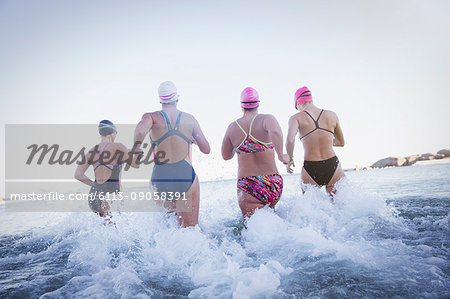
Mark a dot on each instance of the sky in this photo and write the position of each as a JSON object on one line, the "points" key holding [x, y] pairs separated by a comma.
{"points": [[382, 66]]}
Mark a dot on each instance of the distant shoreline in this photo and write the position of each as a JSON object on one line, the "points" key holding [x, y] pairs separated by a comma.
{"points": [[419, 163], [441, 157], [431, 162]]}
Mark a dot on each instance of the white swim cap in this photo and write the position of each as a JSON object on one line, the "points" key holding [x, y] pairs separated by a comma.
{"points": [[167, 92]]}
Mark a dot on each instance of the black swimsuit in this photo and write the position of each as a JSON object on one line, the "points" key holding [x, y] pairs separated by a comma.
{"points": [[112, 185], [320, 171]]}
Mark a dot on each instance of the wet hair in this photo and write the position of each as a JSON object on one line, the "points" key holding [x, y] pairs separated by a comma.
{"points": [[106, 127]]}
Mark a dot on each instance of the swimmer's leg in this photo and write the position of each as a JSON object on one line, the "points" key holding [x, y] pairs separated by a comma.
{"points": [[187, 210], [307, 180], [99, 207], [338, 174], [105, 212], [248, 203]]}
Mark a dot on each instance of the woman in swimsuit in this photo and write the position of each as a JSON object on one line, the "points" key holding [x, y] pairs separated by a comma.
{"points": [[106, 158], [319, 131], [172, 134], [254, 137]]}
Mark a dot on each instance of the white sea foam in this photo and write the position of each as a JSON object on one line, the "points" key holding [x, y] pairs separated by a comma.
{"points": [[308, 246]]}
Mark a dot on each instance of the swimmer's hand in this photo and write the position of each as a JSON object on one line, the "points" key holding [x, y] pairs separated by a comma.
{"points": [[136, 156], [136, 150], [284, 158], [288, 166], [139, 152]]}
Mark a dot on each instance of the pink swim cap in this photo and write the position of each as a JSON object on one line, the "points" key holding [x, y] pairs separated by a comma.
{"points": [[249, 98], [302, 95]]}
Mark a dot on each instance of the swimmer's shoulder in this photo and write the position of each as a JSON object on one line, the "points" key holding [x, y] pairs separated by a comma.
{"points": [[265, 117], [188, 119], [298, 116], [331, 115], [187, 116], [118, 146], [148, 117], [91, 152], [233, 127], [155, 117]]}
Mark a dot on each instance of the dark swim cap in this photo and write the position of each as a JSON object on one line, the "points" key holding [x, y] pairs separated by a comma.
{"points": [[106, 127]]}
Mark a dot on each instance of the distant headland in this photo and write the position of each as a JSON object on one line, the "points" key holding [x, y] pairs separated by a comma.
{"points": [[409, 160]]}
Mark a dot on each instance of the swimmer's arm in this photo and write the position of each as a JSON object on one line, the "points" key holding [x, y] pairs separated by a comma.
{"points": [[290, 142], [338, 135], [290, 138], [127, 156], [200, 139], [80, 173], [227, 147], [270, 124], [142, 129]]}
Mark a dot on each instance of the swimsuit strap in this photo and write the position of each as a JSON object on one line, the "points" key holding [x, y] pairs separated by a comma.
{"points": [[177, 124], [170, 132], [251, 124], [100, 156], [316, 122], [243, 131], [115, 173], [106, 165], [250, 128], [307, 134], [104, 148], [252, 144], [320, 128], [169, 127], [167, 120], [250, 133], [319, 117]]}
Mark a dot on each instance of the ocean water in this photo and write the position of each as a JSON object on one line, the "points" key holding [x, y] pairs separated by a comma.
{"points": [[385, 235]]}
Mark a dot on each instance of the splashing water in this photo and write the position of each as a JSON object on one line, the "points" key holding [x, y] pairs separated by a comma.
{"points": [[363, 244]]}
